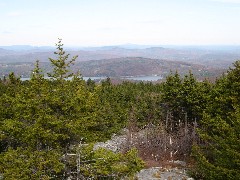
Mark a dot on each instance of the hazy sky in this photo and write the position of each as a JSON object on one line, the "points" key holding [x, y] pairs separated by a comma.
{"points": [[111, 22]]}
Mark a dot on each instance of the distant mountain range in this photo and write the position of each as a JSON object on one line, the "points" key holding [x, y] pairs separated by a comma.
{"points": [[125, 60], [226, 48], [27, 48]]}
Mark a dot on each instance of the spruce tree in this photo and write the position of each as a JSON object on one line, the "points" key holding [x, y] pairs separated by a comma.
{"points": [[218, 157], [61, 65]]}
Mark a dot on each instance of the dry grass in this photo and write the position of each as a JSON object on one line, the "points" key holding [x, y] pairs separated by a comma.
{"points": [[157, 146]]}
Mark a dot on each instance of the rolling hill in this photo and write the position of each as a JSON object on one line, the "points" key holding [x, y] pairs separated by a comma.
{"points": [[128, 60]]}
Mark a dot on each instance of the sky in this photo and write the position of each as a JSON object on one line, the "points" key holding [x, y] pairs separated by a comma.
{"points": [[114, 22]]}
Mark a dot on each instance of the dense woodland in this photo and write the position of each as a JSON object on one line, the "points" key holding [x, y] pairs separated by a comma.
{"points": [[48, 126]]}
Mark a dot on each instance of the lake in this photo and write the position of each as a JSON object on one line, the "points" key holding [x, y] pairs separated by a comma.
{"points": [[144, 78], [135, 78]]}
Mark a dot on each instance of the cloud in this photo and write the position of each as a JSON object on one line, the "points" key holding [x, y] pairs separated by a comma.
{"points": [[228, 1]]}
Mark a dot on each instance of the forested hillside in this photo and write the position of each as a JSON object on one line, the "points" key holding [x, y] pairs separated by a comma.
{"points": [[48, 127], [118, 67], [118, 61]]}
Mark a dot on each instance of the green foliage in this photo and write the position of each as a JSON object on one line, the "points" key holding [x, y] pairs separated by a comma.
{"points": [[90, 84], [171, 95], [40, 116], [61, 65], [184, 98], [219, 156], [138, 102], [29, 164], [13, 79], [41, 119], [36, 73], [103, 163]]}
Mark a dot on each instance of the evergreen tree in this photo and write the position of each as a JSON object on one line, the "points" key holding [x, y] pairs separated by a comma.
{"points": [[42, 119], [62, 64], [219, 156], [184, 99]]}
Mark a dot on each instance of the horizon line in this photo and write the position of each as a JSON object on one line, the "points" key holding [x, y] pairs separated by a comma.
{"points": [[127, 44]]}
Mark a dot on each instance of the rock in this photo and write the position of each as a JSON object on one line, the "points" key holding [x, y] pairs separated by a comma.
{"points": [[159, 173], [182, 163], [115, 144], [149, 174]]}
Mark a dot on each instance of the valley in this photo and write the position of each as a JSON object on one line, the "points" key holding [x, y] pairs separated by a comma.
{"points": [[120, 61]]}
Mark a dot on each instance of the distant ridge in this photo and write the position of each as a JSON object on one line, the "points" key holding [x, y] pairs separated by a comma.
{"points": [[26, 48], [209, 57], [4, 52], [115, 67]]}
